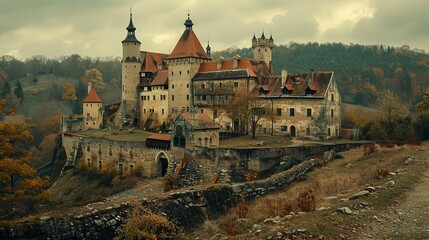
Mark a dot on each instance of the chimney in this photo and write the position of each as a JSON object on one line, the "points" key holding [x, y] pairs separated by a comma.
{"points": [[311, 76], [219, 63], [284, 77], [89, 87], [235, 61]]}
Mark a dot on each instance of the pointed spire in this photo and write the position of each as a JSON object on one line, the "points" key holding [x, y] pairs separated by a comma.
{"points": [[131, 28], [208, 48], [271, 37], [263, 35], [188, 22], [254, 37], [131, 35]]}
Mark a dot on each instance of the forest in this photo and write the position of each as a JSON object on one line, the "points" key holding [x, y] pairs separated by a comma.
{"points": [[363, 72]]}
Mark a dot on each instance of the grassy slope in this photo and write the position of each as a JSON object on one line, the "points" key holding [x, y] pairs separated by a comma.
{"points": [[340, 178]]}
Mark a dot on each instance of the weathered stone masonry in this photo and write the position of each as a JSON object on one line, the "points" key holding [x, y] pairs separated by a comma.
{"points": [[190, 208]]}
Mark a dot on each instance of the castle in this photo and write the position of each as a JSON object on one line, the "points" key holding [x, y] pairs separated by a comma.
{"points": [[189, 93], [157, 87]]}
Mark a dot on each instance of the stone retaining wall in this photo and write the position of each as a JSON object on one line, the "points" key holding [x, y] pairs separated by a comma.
{"points": [[190, 208]]}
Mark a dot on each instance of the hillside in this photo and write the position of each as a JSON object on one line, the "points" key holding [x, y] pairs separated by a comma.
{"points": [[362, 72]]}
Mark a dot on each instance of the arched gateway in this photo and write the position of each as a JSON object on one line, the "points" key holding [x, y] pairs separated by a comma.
{"points": [[161, 162]]}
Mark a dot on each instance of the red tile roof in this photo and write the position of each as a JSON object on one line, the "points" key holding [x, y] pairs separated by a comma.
{"points": [[188, 46], [92, 97], [298, 85], [160, 79], [245, 68], [202, 121], [162, 137], [152, 61]]}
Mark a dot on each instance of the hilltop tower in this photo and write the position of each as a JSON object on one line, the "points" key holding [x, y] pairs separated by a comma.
{"points": [[263, 49], [131, 65], [183, 63], [92, 109]]}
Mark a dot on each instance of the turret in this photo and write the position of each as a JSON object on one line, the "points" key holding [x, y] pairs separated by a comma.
{"points": [[131, 65], [262, 49], [208, 49]]}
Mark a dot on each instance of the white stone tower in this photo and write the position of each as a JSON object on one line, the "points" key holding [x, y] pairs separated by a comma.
{"points": [[131, 65], [263, 49], [183, 63]]}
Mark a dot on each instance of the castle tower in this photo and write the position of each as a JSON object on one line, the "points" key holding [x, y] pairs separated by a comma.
{"points": [[131, 65], [208, 49], [263, 49], [92, 110], [183, 63]]}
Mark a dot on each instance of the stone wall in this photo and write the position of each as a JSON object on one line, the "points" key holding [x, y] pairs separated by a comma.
{"points": [[189, 208], [125, 155]]}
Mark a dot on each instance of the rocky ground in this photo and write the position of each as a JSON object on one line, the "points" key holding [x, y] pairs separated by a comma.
{"points": [[393, 205], [406, 218]]}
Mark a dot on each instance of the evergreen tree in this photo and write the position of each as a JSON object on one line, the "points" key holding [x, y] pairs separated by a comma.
{"points": [[19, 92], [6, 89]]}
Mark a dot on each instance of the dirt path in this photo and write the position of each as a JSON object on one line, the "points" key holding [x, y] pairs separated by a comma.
{"points": [[408, 218]]}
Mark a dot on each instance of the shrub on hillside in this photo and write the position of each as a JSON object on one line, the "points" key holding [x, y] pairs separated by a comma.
{"points": [[142, 224]]}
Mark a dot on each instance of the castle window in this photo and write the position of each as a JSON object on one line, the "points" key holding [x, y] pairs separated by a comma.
{"points": [[142, 98], [309, 113], [87, 104], [292, 112], [121, 168], [172, 73], [187, 109], [204, 97], [279, 111], [187, 97], [202, 110], [332, 112], [187, 85], [308, 131], [220, 85], [172, 86], [332, 97], [203, 86], [131, 167], [188, 71], [172, 97], [88, 161], [162, 111], [154, 97], [91, 104], [100, 165], [265, 50], [235, 84], [144, 111], [283, 128]]}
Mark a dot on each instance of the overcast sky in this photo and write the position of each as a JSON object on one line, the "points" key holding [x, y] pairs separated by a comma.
{"points": [[96, 28]]}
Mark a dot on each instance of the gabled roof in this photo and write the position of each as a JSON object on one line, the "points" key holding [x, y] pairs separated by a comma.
{"points": [[92, 97], [298, 85], [245, 68], [152, 61], [188, 46], [200, 121], [159, 78]]}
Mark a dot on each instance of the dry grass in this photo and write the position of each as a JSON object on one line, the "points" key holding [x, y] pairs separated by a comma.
{"points": [[246, 141], [340, 178], [115, 134]]}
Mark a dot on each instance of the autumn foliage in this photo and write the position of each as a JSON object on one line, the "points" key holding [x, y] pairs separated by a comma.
{"points": [[20, 187]]}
